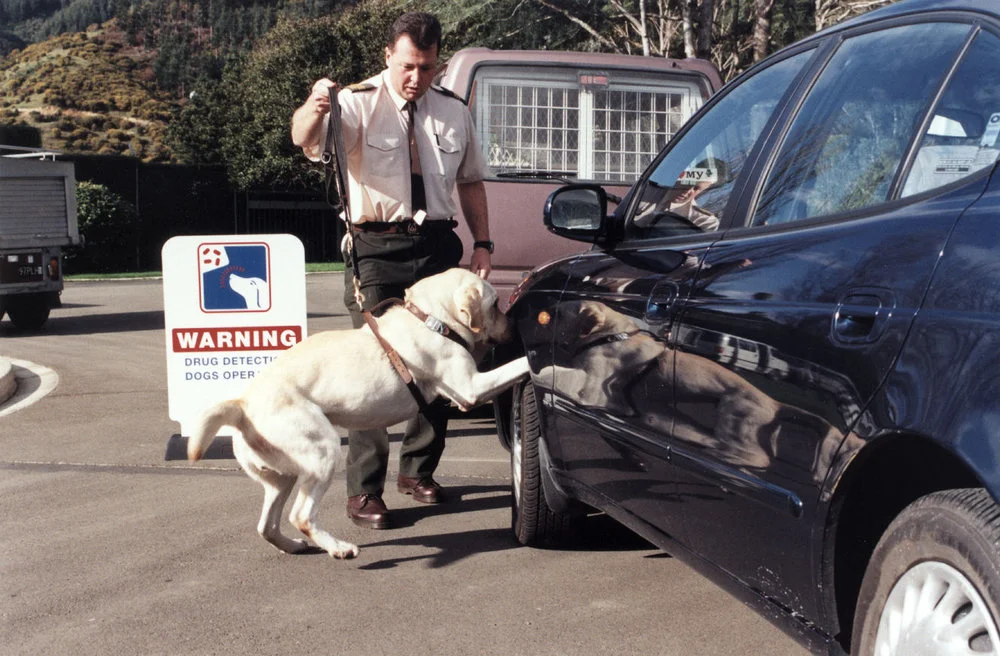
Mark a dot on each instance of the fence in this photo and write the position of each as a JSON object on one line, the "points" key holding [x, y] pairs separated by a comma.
{"points": [[173, 200]]}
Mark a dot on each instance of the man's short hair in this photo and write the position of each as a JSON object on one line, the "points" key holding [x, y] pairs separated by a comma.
{"points": [[422, 28]]}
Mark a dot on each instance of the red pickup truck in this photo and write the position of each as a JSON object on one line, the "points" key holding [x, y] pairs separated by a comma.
{"points": [[546, 117]]}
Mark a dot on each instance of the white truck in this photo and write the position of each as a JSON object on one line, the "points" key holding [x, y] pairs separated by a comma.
{"points": [[37, 221]]}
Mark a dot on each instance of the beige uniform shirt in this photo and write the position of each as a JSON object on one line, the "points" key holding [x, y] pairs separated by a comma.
{"points": [[376, 138]]}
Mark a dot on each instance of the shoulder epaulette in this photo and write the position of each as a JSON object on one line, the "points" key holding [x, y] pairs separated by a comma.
{"points": [[361, 86], [449, 93]]}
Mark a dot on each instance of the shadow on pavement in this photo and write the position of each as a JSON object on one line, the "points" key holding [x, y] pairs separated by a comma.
{"points": [[596, 532], [91, 324], [449, 548]]}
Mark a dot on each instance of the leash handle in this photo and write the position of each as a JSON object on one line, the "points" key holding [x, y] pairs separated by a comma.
{"points": [[334, 159]]}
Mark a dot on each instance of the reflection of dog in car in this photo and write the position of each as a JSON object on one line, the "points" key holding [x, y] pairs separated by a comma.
{"points": [[613, 357]]}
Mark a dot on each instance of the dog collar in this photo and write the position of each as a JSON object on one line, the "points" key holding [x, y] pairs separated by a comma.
{"points": [[436, 325], [606, 339]]}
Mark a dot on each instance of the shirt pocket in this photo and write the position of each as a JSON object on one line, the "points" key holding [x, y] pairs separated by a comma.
{"points": [[450, 152], [385, 155]]}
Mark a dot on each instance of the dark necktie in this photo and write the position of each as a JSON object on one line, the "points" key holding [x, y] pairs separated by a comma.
{"points": [[418, 197]]}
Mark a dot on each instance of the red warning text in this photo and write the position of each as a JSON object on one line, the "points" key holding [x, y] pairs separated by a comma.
{"points": [[260, 338]]}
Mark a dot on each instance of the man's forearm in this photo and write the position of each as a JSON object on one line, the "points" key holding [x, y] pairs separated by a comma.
{"points": [[306, 127], [472, 198]]}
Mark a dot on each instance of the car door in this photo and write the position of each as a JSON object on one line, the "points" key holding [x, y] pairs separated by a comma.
{"points": [[839, 238], [612, 367]]}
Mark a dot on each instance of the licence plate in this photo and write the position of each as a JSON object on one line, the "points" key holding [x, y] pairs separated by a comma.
{"points": [[21, 267]]}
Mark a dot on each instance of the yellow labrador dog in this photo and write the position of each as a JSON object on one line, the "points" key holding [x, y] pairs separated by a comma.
{"points": [[293, 414]]}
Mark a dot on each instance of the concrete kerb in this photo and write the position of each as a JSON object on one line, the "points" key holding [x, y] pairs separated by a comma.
{"points": [[8, 384]]}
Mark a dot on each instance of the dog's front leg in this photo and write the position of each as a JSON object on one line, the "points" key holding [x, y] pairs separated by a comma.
{"points": [[470, 387]]}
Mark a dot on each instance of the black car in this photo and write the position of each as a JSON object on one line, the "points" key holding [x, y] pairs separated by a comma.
{"points": [[780, 362]]}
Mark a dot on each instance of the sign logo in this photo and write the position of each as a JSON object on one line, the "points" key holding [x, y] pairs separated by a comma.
{"points": [[235, 277]]}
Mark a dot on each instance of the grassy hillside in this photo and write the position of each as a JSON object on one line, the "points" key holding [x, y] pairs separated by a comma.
{"points": [[87, 92]]}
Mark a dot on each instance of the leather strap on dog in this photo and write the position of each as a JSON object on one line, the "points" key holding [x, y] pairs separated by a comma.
{"points": [[605, 339], [432, 323], [396, 361], [436, 325]]}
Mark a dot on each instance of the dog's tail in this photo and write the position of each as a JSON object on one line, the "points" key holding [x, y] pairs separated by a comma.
{"points": [[226, 413]]}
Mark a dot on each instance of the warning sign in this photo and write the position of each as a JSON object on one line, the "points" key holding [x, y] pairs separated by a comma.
{"points": [[231, 305]]}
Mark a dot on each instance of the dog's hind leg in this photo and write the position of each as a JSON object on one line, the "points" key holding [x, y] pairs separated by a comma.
{"points": [[303, 517], [277, 488]]}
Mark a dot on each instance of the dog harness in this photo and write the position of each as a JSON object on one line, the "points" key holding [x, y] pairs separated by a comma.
{"points": [[397, 363], [605, 339]]}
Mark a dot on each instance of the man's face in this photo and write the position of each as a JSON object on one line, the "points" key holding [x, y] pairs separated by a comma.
{"points": [[411, 69]]}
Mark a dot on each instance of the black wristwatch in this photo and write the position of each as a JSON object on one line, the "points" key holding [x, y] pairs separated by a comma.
{"points": [[488, 245]]}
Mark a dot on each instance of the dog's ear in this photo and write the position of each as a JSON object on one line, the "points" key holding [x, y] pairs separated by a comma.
{"points": [[469, 303], [590, 319]]}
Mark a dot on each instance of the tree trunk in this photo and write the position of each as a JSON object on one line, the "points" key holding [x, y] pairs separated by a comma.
{"points": [[705, 29], [687, 20], [762, 28], [644, 28]]}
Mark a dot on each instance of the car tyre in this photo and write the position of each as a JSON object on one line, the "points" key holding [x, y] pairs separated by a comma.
{"points": [[932, 585], [534, 523], [28, 312]]}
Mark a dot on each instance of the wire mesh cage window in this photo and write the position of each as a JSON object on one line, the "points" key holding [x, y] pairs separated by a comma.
{"points": [[603, 127]]}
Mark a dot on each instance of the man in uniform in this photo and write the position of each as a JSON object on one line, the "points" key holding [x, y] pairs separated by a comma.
{"points": [[409, 146]]}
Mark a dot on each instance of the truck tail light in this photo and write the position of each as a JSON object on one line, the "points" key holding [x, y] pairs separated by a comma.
{"points": [[54, 268]]}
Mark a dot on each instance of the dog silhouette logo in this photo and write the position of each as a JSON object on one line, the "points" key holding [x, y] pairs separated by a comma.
{"points": [[235, 277]]}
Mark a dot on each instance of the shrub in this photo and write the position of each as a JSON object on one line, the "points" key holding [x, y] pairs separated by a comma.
{"points": [[109, 227]]}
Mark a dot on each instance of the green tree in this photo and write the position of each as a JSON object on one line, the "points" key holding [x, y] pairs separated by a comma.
{"points": [[276, 78], [195, 133], [108, 225]]}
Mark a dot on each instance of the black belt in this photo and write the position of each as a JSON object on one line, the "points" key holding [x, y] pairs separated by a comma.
{"points": [[407, 227]]}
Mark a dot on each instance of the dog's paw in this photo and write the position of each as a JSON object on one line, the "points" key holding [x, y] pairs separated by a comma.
{"points": [[345, 551]]}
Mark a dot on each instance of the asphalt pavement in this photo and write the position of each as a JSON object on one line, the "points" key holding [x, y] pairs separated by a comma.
{"points": [[108, 547]]}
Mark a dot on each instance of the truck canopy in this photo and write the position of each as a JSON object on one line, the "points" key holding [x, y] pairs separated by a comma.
{"points": [[37, 203]]}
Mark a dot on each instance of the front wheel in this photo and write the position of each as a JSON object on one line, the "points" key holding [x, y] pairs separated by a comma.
{"points": [[933, 583], [534, 523]]}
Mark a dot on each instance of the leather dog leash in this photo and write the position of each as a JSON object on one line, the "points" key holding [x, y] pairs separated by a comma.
{"points": [[397, 363], [334, 165]]}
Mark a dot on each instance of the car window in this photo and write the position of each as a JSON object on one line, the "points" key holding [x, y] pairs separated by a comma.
{"points": [[846, 144], [961, 137], [688, 190]]}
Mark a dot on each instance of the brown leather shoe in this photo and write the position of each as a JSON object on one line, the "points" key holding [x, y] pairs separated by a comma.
{"points": [[424, 490], [368, 510]]}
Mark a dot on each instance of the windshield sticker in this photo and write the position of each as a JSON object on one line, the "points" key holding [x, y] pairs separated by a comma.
{"points": [[992, 131], [694, 176]]}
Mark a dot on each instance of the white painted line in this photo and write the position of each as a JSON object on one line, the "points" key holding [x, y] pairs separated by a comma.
{"points": [[34, 382]]}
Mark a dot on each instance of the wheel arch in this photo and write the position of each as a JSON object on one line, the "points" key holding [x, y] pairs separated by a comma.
{"points": [[884, 477]]}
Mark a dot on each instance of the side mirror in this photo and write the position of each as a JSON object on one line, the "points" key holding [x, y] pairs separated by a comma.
{"points": [[577, 211]]}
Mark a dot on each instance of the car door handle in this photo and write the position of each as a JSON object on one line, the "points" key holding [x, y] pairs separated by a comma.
{"points": [[861, 316], [660, 300]]}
